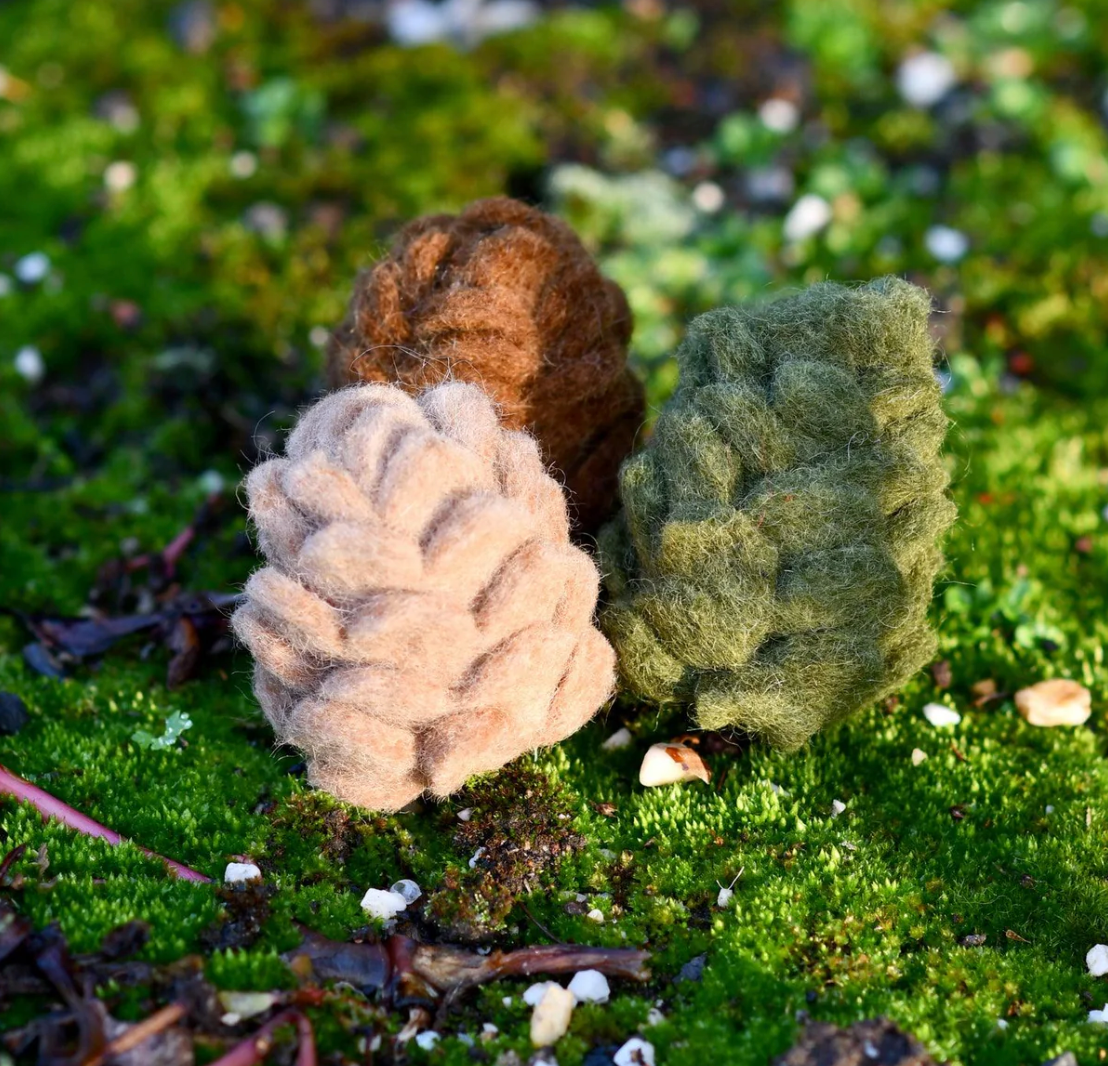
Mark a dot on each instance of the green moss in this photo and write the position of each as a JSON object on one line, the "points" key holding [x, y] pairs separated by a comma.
{"points": [[774, 558]]}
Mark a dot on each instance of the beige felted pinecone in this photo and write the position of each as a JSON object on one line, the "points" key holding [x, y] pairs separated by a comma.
{"points": [[424, 616]]}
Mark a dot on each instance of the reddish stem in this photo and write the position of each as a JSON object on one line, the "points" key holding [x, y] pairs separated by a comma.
{"points": [[52, 807], [255, 1048]]}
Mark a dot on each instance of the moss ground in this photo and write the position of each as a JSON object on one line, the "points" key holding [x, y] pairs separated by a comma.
{"points": [[175, 321]]}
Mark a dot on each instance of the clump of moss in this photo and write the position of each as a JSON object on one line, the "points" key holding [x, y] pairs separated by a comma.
{"points": [[519, 831], [774, 560]]}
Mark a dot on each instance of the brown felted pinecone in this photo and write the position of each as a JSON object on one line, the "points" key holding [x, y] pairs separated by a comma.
{"points": [[424, 616], [508, 298]]}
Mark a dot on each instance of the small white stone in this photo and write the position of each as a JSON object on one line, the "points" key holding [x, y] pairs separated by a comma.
{"points": [[319, 336], [29, 364], [490, 1031], [939, 715], [210, 482], [779, 115], [918, 756], [244, 164], [925, 78], [465, 815], [621, 738], [120, 175], [427, 1039], [241, 871], [654, 1016], [1096, 959], [507, 1001], [551, 1016], [590, 986], [837, 808], [595, 915], [409, 891], [668, 764], [869, 1049], [1002, 1023], [636, 1052], [32, 268], [1055, 702], [1049, 808], [946, 244], [1100, 1017], [533, 996], [383, 905], [415, 22], [240, 1005], [476, 858], [806, 217], [708, 197]]}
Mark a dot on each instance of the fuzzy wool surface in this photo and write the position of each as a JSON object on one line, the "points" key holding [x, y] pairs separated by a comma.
{"points": [[773, 563], [508, 298], [423, 615]]}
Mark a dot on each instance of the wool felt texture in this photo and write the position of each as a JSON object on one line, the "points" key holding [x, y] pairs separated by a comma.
{"points": [[774, 559], [508, 298], [423, 615]]}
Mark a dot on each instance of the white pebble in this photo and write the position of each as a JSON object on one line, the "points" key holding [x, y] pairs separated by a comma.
{"points": [[383, 905], [244, 164], [507, 1001], [946, 244], [807, 217], [476, 858], [406, 889], [488, 1030], [1049, 808], [590, 986], [595, 915], [240, 1005], [465, 815], [1100, 1017], [552, 1015], [29, 364], [1096, 959], [32, 268], [415, 22], [210, 482], [925, 78], [533, 996], [1002, 1023], [654, 1016], [708, 197], [636, 1052], [837, 808], [668, 764], [120, 175], [779, 115], [939, 715], [622, 738], [241, 871], [427, 1039], [918, 756], [319, 336]]}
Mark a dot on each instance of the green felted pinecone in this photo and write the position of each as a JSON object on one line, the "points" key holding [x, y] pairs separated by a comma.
{"points": [[773, 562]]}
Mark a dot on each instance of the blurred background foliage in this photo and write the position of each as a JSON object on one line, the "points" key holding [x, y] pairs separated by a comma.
{"points": [[187, 189]]}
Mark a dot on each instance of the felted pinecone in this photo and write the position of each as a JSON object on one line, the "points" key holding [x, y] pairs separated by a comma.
{"points": [[774, 560], [508, 298], [423, 616]]}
